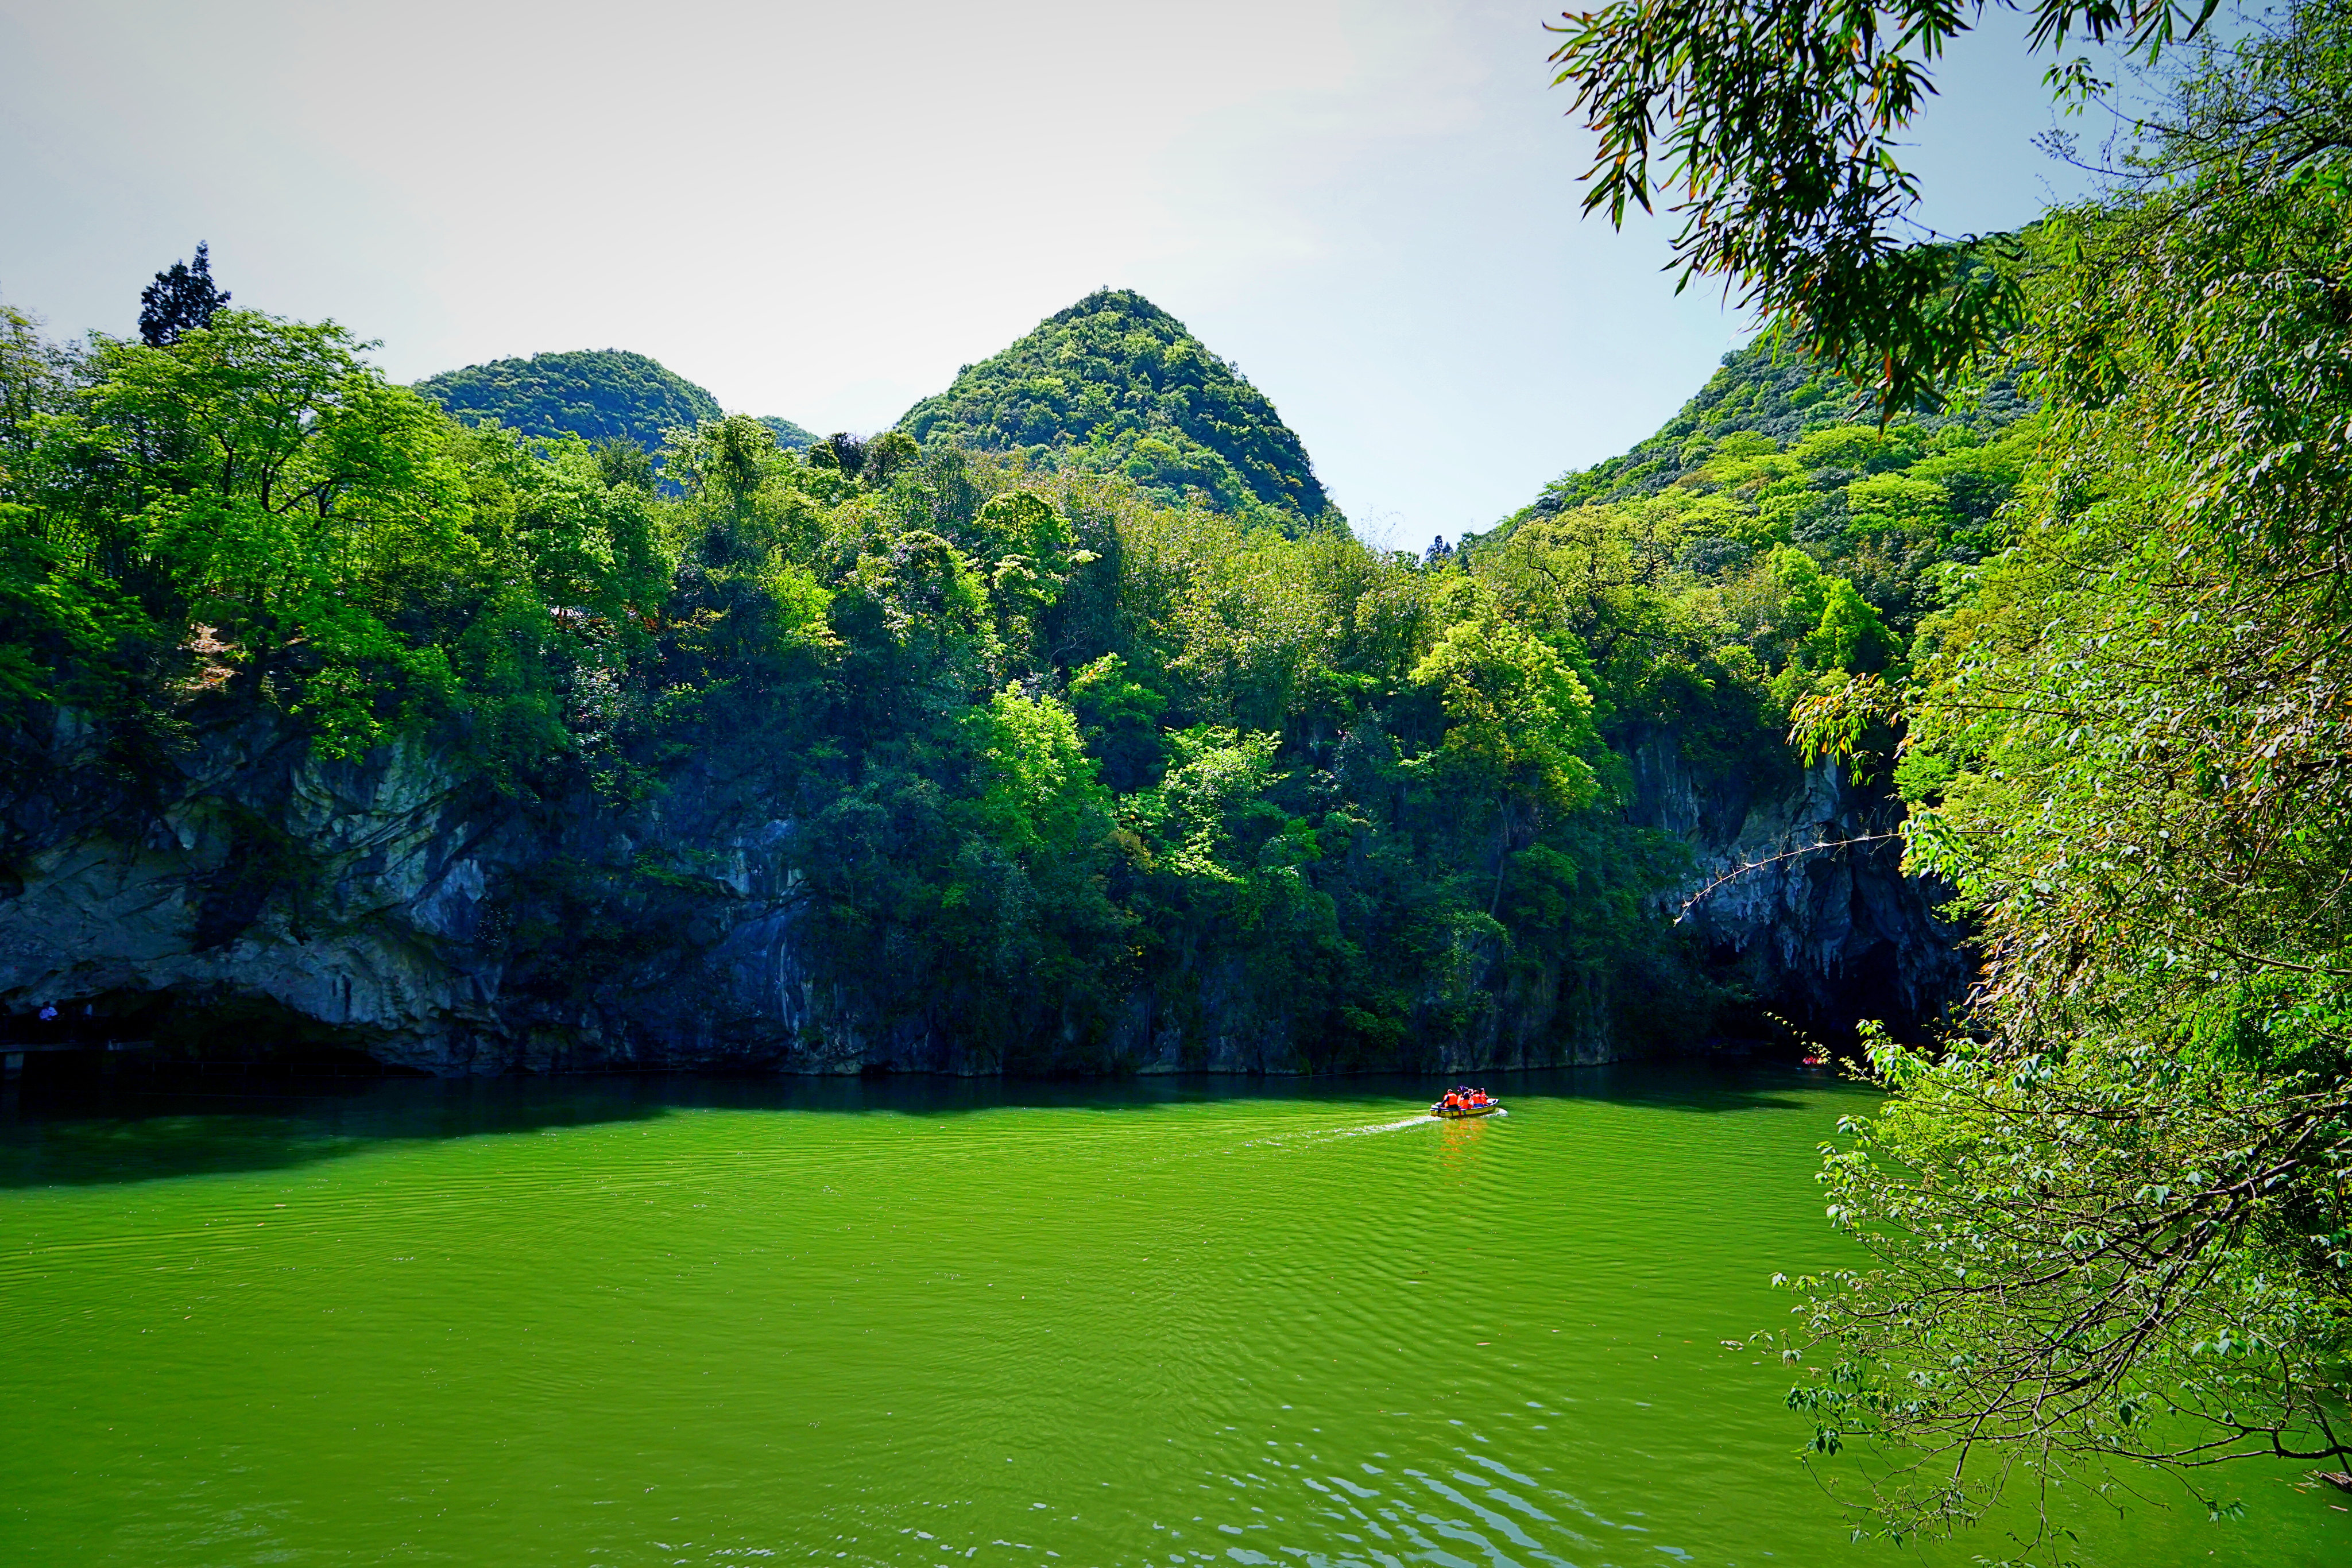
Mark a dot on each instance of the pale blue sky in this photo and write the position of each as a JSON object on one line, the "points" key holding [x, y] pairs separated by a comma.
{"points": [[821, 210]]}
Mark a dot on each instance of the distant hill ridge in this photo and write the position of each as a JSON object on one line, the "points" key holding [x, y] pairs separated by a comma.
{"points": [[1754, 391], [1112, 385], [598, 394], [1115, 384]]}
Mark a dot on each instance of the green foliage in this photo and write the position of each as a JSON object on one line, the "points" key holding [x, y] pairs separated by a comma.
{"points": [[2113, 1218], [1899, 505], [1114, 385], [1779, 128], [1122, 720], [1773, 534], [1198, 817], [1824, 424], [1516, 718], [597, 394], [1038, 793], [791, 436], [302, 512]]}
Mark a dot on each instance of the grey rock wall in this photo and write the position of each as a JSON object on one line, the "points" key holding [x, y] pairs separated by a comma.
{"points": [[395, 907], [1799, 894]]}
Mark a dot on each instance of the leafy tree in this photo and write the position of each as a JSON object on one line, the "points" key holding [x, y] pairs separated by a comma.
{"points": [[2112, 1220], [1516, 718], [625, 462], [590, 541], [1038, 792], [1121, 719], [1780, 127], [842, 452], [1198, 815], [884, 456], [180, 300], [302, 508]]}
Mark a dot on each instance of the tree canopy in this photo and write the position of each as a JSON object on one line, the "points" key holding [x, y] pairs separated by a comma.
{"points": [[2110, 1219], [1776, 135]]}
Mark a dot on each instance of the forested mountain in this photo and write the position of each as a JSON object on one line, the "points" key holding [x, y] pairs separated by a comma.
{"points": [[873, 754], [1768, 391], [1114, 385], [1774, 505], [597, 394]]}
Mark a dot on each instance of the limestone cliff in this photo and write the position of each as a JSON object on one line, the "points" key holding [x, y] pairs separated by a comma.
{"points": [[1798, 896], [244, 895]]}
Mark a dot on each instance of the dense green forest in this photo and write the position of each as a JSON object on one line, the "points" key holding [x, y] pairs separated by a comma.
{"points": [[1049, 737], [1789, 522], [1115, 385], [597, 394], [1770, 390]]}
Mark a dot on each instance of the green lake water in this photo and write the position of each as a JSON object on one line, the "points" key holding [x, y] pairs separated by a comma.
{"points": [[600, 1322]]}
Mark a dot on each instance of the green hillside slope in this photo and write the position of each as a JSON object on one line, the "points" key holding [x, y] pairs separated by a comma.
{"points": [[789, 434], [1755, 392], [1116, 383], [1775, 491], [600, 394]]}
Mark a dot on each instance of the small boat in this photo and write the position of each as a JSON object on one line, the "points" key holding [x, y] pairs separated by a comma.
{"points": [[1466, 1102]]}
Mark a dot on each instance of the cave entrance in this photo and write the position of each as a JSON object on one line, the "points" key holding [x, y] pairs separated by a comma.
{"points": [[175, 1033]]}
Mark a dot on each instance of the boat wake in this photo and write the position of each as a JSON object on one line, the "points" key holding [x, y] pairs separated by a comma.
{"points": [[1424, 1120], [1420, 1118]]}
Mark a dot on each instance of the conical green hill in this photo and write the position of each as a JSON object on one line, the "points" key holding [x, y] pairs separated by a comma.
{"points": [[1114, 382]]}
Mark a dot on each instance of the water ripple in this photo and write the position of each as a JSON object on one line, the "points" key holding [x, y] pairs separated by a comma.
{"points": [[1189, 1328]]}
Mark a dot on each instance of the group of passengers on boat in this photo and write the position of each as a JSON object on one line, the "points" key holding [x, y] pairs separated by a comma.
{"points": [[1466, 1100]]}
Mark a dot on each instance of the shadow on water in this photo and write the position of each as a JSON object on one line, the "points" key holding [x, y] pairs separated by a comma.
{"points": [[97, 1132], [92, 1134]]}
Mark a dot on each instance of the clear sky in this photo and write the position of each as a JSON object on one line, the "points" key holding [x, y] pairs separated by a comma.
{"points": [[821, 210]]}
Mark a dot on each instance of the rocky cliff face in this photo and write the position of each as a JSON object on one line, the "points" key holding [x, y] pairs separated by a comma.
{"points": [[395, 907], [246, 893], [1798, 896]]}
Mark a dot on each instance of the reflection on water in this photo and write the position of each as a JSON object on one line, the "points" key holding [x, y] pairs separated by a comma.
{"points": [[1178, 1321]]}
